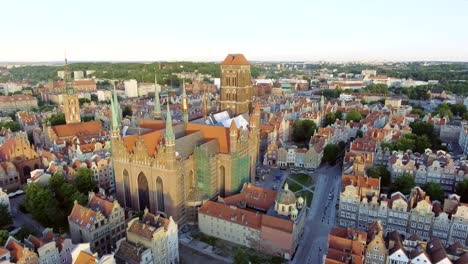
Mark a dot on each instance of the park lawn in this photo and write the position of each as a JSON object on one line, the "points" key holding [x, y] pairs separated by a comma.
{"points": [[302, 178], [294, 187]]}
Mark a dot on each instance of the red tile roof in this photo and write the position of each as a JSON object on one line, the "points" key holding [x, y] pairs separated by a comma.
{"points": [[235, 59]]}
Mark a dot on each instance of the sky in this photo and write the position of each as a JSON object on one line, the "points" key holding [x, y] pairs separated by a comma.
{"points": [[207, 30]]}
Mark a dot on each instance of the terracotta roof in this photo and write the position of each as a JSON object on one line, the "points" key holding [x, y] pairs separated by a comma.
{"points": [[85, 258], [15, 248], [69, 130], [3, 251], [231, 214], [235, 59], [221, 134], [253, 196], [15, 98], [104, 205], [82, 216], [151, 140]]}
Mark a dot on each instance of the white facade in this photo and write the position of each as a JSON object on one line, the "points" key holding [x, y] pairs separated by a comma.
{"points": [[78, 75], [131, 88], [172, 241], [4, 199], [103, 95], [61, 74]]}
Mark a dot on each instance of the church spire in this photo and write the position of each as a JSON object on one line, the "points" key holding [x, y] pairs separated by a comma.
{"points": [[115, 113], [169, 135], [185, 117], [157, 103], [67, 77]]}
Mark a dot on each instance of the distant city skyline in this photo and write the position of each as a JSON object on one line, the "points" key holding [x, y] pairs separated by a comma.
{"points": [[299, 30]]}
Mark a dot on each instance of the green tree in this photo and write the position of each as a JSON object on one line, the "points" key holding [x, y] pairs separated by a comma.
{"points": [[56, 181], [94, 98], [58, 119], [434, 191], [40, 202], [419, 112], [5, 218], [127, 111], [462, 190], [4, 234], [84, 181], [422, 128], [403, 184], [12, 125], [376, 88], [23, 233], [359, 134], [458, 109], [330, 153], [68, 194], [380, 172], [83, 101], [303, 130], [330, 118], [422, 143], [354, 116], [443, 110], [240, 257]]}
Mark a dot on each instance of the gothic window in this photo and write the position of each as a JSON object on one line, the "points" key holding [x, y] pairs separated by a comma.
{"points": [[160, 194], [143, 191], [222, 179], [126, 185]]}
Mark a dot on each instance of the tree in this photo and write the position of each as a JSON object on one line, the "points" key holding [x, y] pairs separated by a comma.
{"points": [[56, 181], [422, 128], [419, 112], [376, 88], [94, 98], [23, 233], [330, 153], [303, 130], [359, 134], [68, 194], [58, 119], [127, 111], [422, 143], [84, 181], [5, 218], [40, 202], [462, 190], [434, 191], [354, 116], [458, 109], [329, 118], [4, 234], [13, 126], [240, 257], [380, 172], [443, 110], [83, 101], [403, 184], [465, 116]]}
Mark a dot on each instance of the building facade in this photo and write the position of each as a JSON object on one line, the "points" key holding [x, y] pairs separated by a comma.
{"points": [[236, 85]]}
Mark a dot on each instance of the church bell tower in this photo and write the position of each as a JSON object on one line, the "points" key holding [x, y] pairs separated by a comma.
{"points": [[71, 104]]}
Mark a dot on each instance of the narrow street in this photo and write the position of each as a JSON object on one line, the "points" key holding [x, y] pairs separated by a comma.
{"points": [[20, 218], [321, 217]]}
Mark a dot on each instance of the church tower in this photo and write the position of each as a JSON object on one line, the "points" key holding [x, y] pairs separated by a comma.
{"points": [[71, 104], [185, 116], [157, 102], [236, 85]]}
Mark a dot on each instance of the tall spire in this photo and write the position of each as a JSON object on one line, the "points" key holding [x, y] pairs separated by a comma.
{"points": [[169, 135], [184, 104], [157, 104], [204, 104], [116, 104], [67, 77], [115, 112]]}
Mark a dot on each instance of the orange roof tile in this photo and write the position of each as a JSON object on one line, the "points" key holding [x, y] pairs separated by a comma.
{"points": [[277, 223], [85, 258], [253, 196], [235, 59], [232, 214], [69, 130], [212, 132]]}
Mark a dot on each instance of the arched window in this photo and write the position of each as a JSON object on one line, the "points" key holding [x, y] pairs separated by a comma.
{"points": [[160, 194], [126, 186], [143, 191]]}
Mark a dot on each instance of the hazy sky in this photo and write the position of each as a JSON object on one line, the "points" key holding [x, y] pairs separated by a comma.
{"points": [[40, 30]]}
